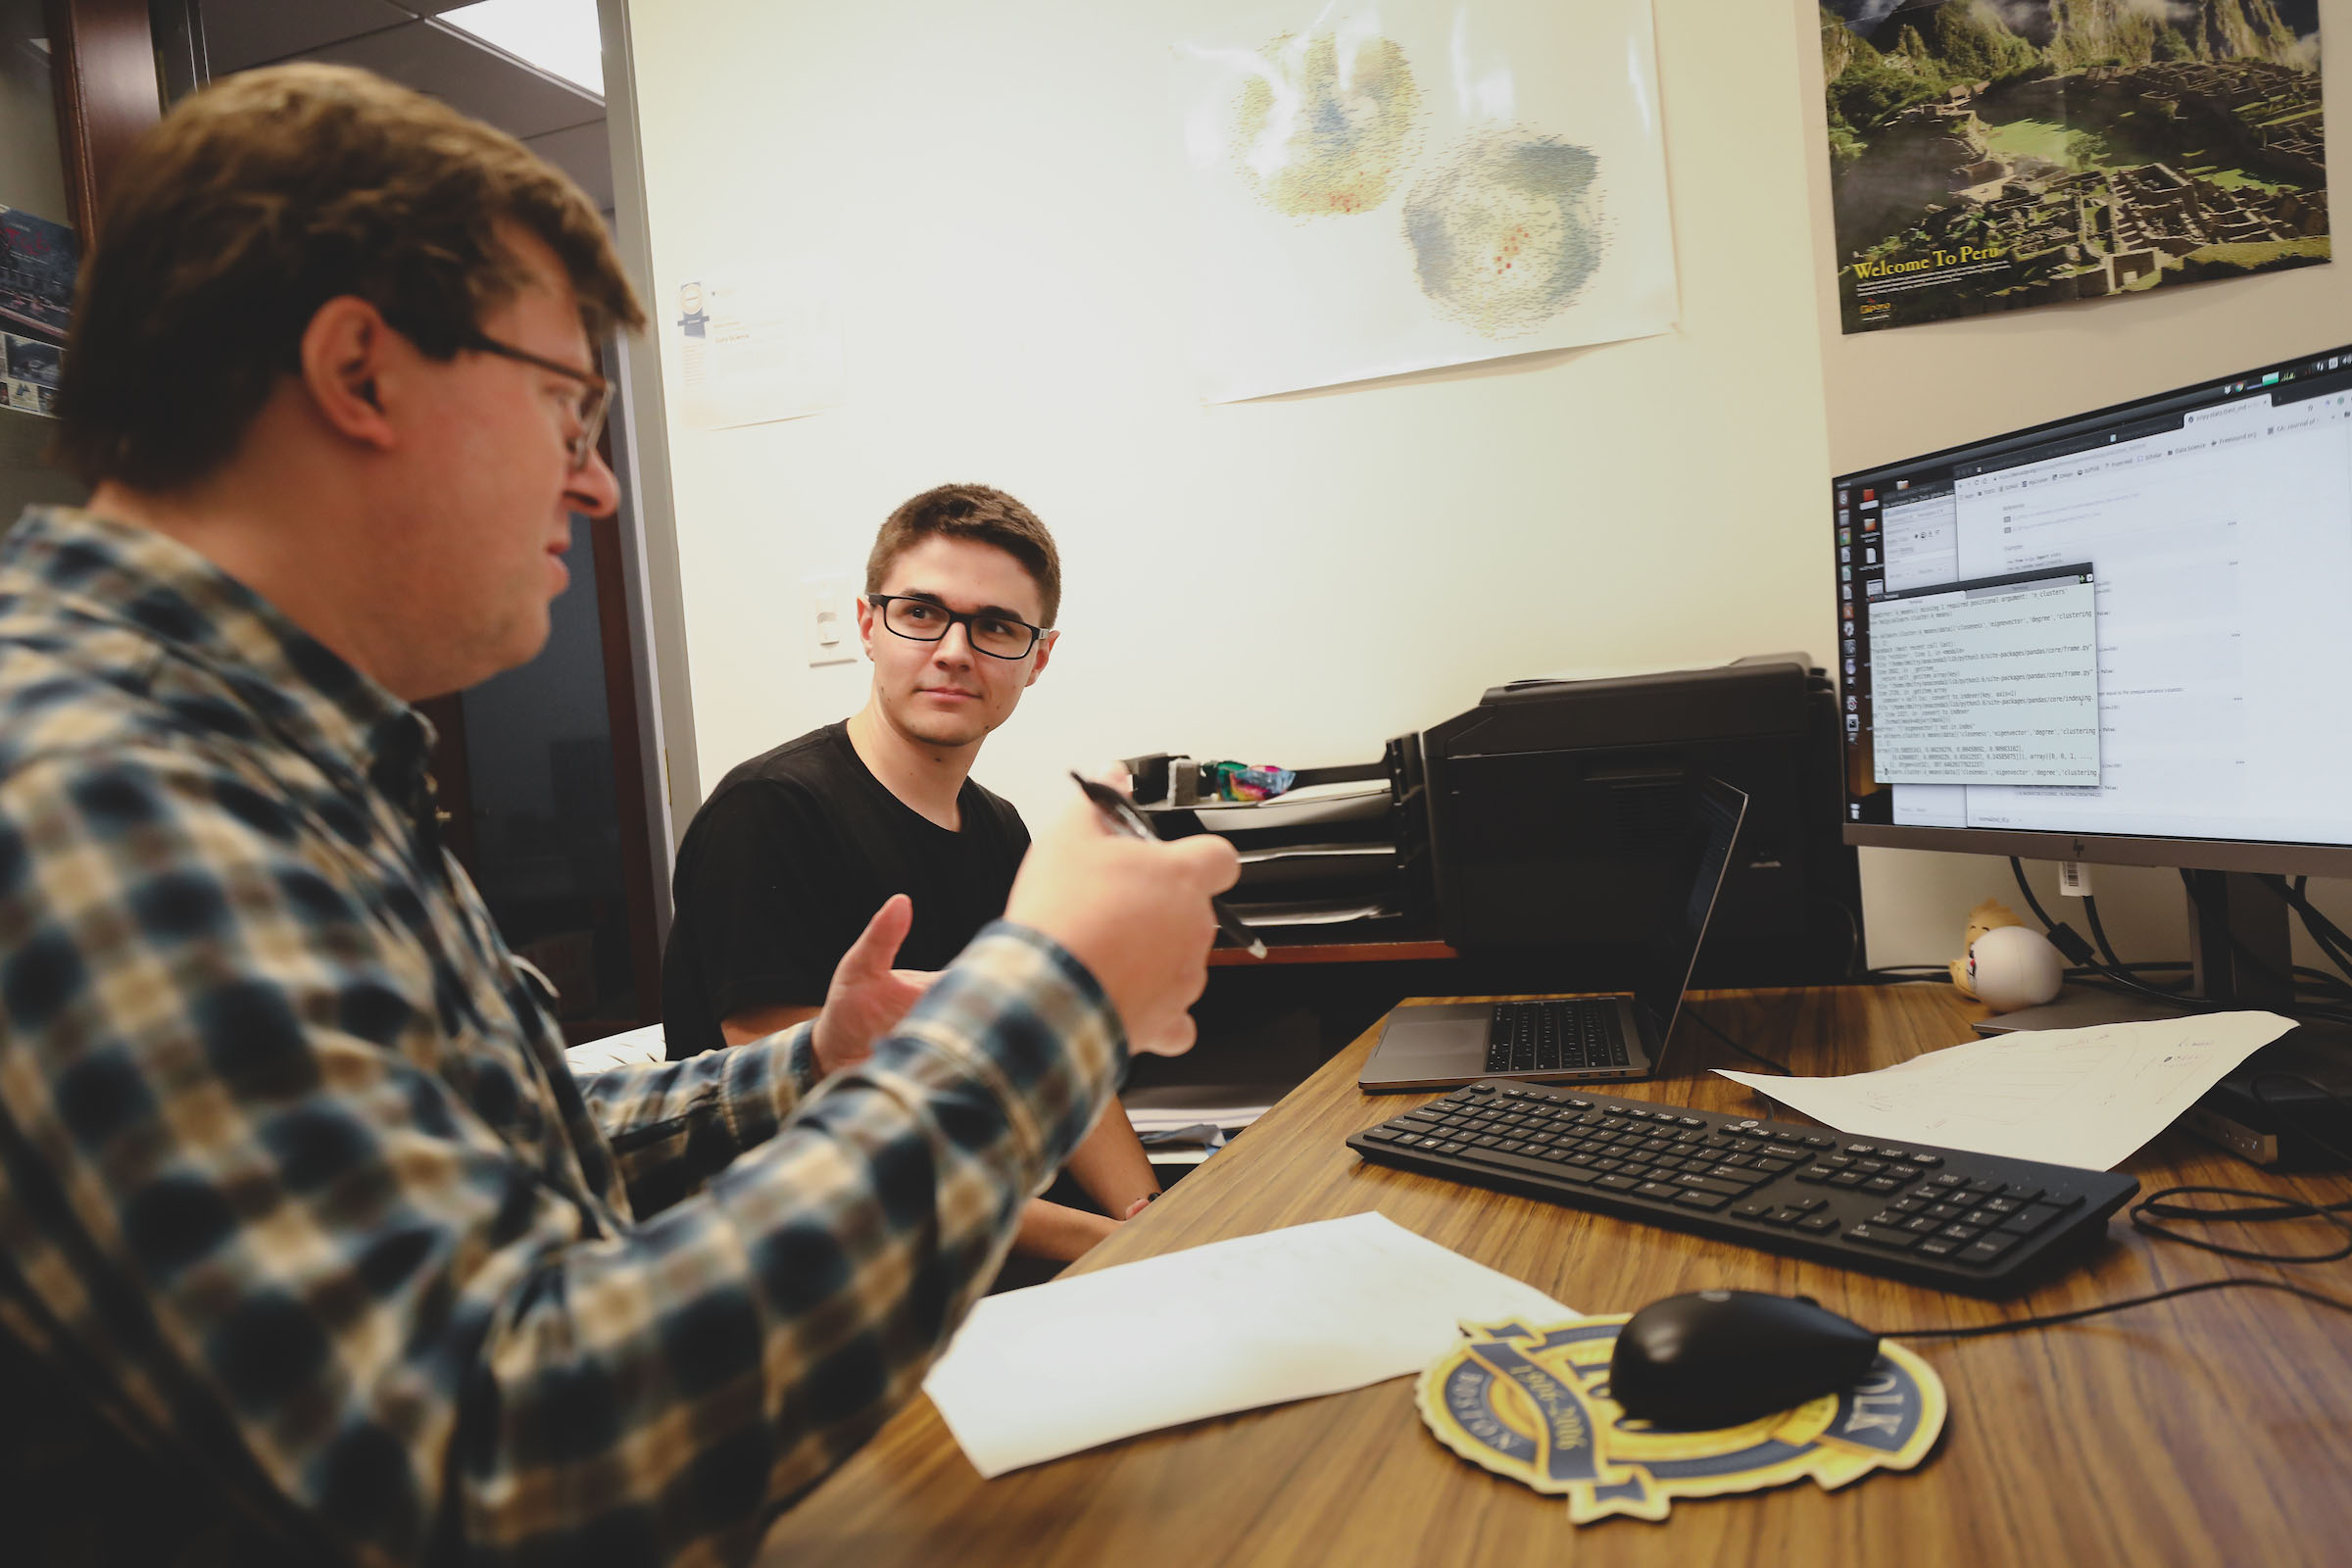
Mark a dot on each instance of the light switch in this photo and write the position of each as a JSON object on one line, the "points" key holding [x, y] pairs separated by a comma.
{"points": [[832, 619]]}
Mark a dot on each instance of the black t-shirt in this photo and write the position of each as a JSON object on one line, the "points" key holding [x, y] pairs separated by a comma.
{"points": [[787, 860]]}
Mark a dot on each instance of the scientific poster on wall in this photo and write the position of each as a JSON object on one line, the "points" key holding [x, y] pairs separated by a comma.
{"points": [[1386, 187], [1986, 154], [755, 348]]}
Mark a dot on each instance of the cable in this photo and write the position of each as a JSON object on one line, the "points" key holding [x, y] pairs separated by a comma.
{"points": [[2324, 932], [2157, 1210], [2245, 954], [2053, 1319], [1702, 1019], [2077, 950], [2098, 934]]}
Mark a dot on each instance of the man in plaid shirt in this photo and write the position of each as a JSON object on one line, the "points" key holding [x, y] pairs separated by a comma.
{"points": [[313, 1250]]}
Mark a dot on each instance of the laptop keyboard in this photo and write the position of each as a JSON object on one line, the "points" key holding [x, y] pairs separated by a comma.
{"points": [[1562, 1035]]}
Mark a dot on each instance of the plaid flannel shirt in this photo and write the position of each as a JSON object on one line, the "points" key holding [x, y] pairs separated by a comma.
{"points": [[294, 1180]]}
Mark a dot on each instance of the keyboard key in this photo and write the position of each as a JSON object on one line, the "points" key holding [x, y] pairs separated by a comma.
{"points": [[1710, 1184], [1695, 1200], [1893, 1239], [1921, 1225], [2001, 1206], [1835, 1162], [2021, 1194], [1784, 1216], [1815, 1174], [1861, 1148], [1960, 1233], [1818, 1224], [1816, 1141], [1926, 1161], [2032, 1217], [1451, 1148], [1657, 1190], [1848, 1178], [1617, 1184], [1937, 1246], [1881, 1184], [1752, 1210], [1985, 1250]]}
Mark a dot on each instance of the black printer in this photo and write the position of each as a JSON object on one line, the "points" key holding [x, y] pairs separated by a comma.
{"points": [[1557, 808]]}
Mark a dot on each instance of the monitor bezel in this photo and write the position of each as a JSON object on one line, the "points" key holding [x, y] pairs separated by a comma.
{"points": [[2262, 857]]}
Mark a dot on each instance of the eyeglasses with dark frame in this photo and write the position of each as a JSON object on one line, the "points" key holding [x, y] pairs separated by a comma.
{"points": [[926, 620], [596, 393]]}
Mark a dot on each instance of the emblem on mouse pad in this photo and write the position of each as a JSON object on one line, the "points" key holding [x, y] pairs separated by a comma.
{"points": [[1533, 1403]]}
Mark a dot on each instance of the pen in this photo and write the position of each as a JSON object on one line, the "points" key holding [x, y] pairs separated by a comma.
{"points": [[1127, 819]]}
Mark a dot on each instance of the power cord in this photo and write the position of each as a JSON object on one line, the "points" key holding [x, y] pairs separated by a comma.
{"points": [[2336, 989], [1699, 1018], [2079, 953], [2156, 1212], [2053, 1319], [2324, 932]]}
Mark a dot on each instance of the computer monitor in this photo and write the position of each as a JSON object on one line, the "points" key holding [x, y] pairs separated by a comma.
{"points": [[2122, 637]]}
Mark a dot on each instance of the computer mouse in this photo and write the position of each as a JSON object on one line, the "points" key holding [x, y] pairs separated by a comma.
{"points": [[1716, 1358]]}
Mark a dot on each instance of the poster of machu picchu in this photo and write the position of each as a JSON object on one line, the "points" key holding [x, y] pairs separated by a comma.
{"points": [[1990, 153]]}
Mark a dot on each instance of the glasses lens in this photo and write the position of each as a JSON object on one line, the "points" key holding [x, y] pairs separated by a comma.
{"points": [[1005, 639], [595, 403], [913, 618]]}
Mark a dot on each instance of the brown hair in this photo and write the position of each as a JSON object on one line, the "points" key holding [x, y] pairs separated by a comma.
{"points": [[257, 201], [970, 512]]}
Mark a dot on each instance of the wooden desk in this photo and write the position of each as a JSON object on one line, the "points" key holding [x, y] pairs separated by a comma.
{"points": [[2216, 1430]]}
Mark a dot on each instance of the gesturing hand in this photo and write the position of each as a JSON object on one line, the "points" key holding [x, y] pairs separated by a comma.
{"points": [[868, 996], [1135, 913]]}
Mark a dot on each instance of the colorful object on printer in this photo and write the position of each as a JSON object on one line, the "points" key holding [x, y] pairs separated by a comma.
{"points": [[1240, 781], [1533, 1403]]}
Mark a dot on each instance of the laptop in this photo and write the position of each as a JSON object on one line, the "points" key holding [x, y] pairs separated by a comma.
{"points": [[1579, 1038]]}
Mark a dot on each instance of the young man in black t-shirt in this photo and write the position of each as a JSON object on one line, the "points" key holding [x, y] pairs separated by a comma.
{"points": [[795, 850]]}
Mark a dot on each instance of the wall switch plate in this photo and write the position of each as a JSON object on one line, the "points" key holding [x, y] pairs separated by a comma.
{"points": [[832, 619]]}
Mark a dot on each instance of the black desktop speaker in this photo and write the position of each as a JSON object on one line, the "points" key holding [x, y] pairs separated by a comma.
{"points": [[1557, 811]]}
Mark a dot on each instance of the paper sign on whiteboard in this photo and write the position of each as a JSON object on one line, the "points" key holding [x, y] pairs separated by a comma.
{"points": [[753, 350]]}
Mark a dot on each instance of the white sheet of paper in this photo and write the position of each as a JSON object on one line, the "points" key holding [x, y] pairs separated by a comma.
{"points": [[1259, 1320], [2070, 1097]]}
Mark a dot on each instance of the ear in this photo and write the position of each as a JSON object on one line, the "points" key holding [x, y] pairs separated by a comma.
{"points": [[1045, 651], [865, 626], [347, 355]]}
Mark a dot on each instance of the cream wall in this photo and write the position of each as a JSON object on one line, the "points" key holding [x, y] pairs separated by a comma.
{"points": [[1295, 579], [1894, 394]]}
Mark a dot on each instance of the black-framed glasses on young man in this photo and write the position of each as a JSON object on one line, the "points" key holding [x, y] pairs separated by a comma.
{"points": [[595, 400], [925, 620]]}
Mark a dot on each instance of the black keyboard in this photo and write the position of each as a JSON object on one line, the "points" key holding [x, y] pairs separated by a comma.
{"points": [[1958, 1221], [1555, 1035]]}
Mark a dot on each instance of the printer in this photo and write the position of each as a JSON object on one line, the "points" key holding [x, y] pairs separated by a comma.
{"points": [[1557, 810]]}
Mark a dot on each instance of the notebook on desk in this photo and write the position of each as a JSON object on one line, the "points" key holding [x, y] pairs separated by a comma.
{"points": [[1578, 1039]]}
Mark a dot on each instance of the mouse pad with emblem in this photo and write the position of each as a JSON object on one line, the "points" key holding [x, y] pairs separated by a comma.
{"points": [[1533, 1403]]}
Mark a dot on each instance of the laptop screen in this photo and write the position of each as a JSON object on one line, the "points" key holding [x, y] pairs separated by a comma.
{"points": [[1674, 946]]}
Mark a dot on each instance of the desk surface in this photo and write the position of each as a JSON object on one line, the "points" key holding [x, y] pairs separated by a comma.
{"points": [[2212, 1429]]}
